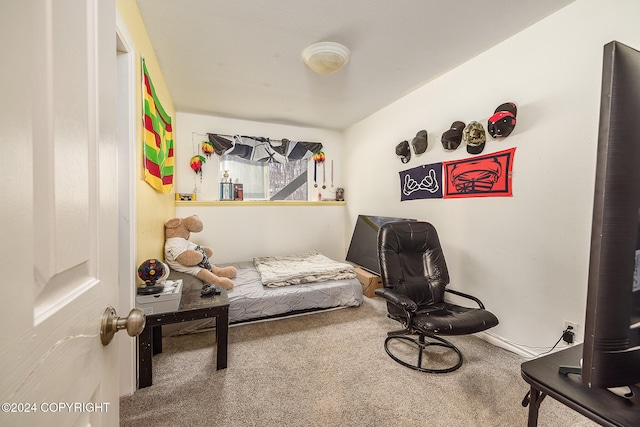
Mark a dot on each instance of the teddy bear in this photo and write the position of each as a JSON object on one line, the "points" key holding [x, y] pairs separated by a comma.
{"points": [[188, 257]]}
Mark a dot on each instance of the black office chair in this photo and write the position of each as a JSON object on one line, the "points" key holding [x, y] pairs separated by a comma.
{"points": [[414, 277]]}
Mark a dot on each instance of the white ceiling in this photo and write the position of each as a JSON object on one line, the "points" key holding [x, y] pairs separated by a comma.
{"points": [[241, 58]]}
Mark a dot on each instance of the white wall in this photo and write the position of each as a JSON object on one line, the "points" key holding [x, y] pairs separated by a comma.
{"points": [[525, 256], [239, 233]]}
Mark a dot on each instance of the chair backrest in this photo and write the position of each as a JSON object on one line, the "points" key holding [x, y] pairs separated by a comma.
{"points": [[412, 262]]}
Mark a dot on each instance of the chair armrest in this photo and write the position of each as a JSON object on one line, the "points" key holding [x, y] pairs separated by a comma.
{"points": [[400, 300], [462, 294]]}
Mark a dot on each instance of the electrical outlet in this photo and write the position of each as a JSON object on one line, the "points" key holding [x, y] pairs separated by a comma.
{"points": [[573, 327]]}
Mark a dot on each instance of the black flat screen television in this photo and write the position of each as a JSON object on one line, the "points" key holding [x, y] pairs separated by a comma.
{"points": [[611, 351], [363, 249]]}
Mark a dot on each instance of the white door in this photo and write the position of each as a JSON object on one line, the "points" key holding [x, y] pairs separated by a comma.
{"points": [[58, 204]]}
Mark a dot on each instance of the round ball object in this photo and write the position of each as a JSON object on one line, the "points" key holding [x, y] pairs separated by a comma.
{"points": [[150, 271]]}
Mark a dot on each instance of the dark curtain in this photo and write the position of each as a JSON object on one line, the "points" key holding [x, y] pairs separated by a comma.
{"points": [[259, 149]]}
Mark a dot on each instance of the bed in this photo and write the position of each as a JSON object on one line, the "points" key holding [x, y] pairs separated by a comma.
{"points": [[251, 300]]}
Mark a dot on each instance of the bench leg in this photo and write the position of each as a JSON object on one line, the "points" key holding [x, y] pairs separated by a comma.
{"points": [[145, 355], [536, 397], [222, 336], [157, 339]]}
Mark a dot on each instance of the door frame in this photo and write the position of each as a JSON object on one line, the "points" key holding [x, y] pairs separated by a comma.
{"points": [[126, 136]]}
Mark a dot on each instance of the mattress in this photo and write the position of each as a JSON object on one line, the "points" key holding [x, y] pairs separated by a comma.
{"points": [[249, 300]]}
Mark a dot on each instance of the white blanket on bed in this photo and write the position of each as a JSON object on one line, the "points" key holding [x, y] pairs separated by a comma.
{"points": [[278, 271]]}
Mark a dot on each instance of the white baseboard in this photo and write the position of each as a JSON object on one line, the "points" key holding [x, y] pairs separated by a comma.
{"points": [[521, 351], [507, 345]]}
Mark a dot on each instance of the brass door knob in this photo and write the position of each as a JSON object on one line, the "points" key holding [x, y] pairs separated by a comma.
{"points": [[111, 323]]}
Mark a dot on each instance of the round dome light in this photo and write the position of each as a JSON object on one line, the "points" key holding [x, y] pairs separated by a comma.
{"points": [[326, 57]]}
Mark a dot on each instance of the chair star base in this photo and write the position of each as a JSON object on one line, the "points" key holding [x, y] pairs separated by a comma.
{"points": [[422, 345]]}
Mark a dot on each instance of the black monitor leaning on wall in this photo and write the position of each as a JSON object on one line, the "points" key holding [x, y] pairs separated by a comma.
{"points": [[611, 352], [363, 249]]}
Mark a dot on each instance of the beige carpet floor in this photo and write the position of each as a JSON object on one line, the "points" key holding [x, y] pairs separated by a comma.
{"points": [[330, 369]]}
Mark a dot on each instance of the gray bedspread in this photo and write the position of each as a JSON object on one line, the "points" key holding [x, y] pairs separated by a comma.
{"points": [[276, 271], [250, 300]]}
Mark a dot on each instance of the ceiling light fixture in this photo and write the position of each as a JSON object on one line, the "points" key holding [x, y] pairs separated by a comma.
{"points": [[326, 57]]}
